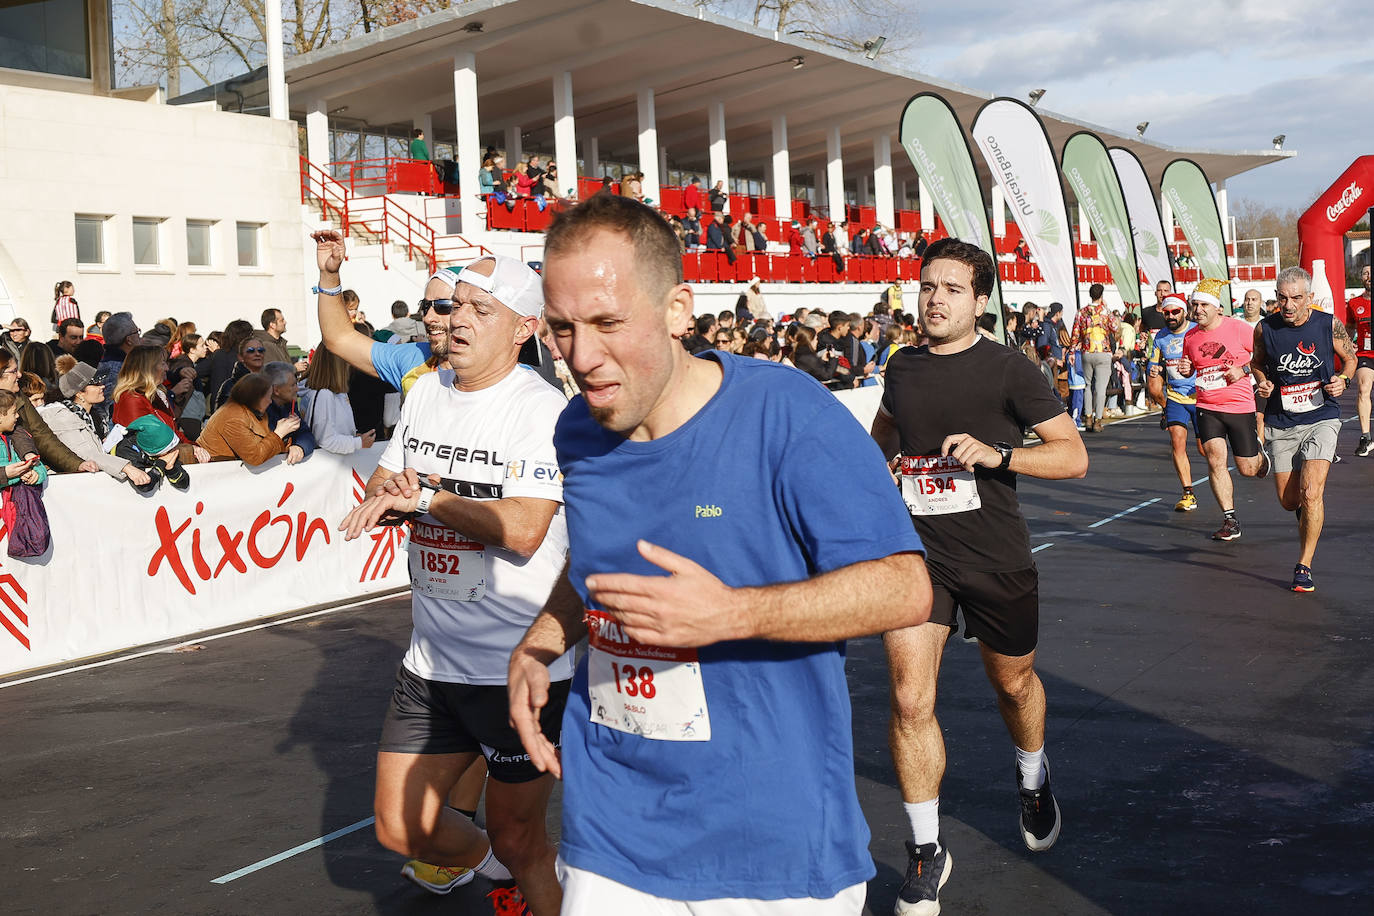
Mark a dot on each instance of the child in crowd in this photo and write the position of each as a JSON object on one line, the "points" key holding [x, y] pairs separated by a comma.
{"points": [[150, 445], [1076, 386], [21, 461]]}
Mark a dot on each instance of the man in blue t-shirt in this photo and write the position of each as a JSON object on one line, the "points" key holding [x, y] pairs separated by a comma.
{"points": [[707, 751], [1174, 393]]}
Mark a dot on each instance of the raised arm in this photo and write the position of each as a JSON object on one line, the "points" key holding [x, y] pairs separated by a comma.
{"points": [[336, 329]]}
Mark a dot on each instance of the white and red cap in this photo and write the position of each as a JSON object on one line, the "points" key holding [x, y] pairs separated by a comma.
{"points": [[1173, 300]]}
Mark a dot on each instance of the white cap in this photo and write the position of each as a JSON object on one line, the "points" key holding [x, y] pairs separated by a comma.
{"points": [[512, 283]]}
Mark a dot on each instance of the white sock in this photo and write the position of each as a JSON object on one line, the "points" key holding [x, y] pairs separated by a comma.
{"points": [[1031, 765], [925, 821], [493, 869]]}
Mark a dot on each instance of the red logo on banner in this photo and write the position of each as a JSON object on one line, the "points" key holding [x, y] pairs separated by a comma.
{"points": [[266, 541], [13, 599], [385, 541]]}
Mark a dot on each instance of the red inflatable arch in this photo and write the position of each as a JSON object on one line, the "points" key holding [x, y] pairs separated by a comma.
{"points": [[1322, 229]]}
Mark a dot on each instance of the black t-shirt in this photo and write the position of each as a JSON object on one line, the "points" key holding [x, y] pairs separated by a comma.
{"points": [[992, 393], [1152, 318]]}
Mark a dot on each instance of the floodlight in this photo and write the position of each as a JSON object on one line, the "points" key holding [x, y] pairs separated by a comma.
{"points": [[871, 48], [798, 62], [1140, 128], [1278, 141], [1035, 96]]}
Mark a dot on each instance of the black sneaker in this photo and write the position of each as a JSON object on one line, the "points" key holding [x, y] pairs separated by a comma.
{"points": [[1362, 450], [1039, 814], [1229, 531], [926, 872]]}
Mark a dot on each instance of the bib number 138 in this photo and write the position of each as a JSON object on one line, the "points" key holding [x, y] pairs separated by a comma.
{"points": [[636, 683]]}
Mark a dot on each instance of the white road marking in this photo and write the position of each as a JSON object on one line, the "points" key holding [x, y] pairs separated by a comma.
{"points": [[1101, 522], [294, 850]]}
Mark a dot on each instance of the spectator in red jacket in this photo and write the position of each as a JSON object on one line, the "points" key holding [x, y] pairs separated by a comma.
{"points": [[691, 195], [794, 239]]}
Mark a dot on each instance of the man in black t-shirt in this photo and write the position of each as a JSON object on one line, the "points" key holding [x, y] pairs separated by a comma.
{"points": [[832, 339], [956, 411], [1151, 316]]}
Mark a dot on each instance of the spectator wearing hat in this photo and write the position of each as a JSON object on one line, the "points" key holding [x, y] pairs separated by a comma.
{"points": [[151, 446], [754, 299], [794, 238], [83, 430], [54, 454], [121, 336], [240, 429], [159, 335], [301, 443]]}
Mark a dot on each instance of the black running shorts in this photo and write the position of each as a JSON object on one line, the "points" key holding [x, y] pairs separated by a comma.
{"points": [[1237, 428], [1000, 609], [436, 717], [1364, 362]]}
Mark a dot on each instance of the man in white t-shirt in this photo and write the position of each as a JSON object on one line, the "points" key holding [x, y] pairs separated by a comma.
{"points": [[472, 466]]}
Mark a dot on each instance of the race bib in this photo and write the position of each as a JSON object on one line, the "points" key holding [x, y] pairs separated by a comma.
{"points": [[935, 485], [446, 565], [1213, 378], [655, 692], [1171, 369], [1302, 397]]}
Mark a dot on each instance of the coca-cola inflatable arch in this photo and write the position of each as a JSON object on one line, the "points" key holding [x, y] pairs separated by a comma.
{"points": [[1322, 229]]}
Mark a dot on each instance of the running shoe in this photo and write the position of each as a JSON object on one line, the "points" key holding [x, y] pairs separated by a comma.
{"points": [[926, 873], [508, 901], [1362, 450], [437, 879], [1186, 503], [1039, 814], [1302, 579], [1229, 531]]}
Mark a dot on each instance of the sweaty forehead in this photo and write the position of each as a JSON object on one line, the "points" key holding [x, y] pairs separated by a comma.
{"points": [[1292, 289]]}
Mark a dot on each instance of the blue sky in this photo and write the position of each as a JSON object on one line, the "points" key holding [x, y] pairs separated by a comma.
{"points": [[1210, 74]]}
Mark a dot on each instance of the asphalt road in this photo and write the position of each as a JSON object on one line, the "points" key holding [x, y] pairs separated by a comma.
{"points": [[1209, 732]]}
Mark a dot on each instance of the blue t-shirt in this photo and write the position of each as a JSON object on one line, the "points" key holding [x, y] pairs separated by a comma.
{"points": [[765, 809], [394, 361], [1167, 351]]}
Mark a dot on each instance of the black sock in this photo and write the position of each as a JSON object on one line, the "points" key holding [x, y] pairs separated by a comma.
{"points": [[1187, 489], [1231, 514], [470, 815]]}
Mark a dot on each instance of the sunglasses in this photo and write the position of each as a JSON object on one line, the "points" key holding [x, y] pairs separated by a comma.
{"points": [[1171, 312], [439, 306], [255, 350]]}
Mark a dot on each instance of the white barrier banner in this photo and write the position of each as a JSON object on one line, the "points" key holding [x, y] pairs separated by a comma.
{"points": [[1019, 156], [243, 543]]}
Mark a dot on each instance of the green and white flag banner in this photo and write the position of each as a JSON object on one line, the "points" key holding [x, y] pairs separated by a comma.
{"points": [[1017, 149], [935, 142], [1186, 188], [1151, 240], [1093, 179]]}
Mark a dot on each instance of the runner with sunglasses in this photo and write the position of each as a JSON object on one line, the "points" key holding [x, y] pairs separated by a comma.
{"points": [[1175, 393], [399, 365]]}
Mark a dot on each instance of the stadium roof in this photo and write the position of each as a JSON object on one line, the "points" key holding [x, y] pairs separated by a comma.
{"points": [[690, 58]]}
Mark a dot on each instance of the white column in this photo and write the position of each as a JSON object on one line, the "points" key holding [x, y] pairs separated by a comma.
{"points": [[1223, 205], [471, 208], [822, 194], [999, 212], [648, 142], [276, 69], [882, 180], [834, 174], [591, 157], [865, 194], [564, 132], [515, 149], [317, 132], [1085, 229], [780, 178], [927, 206], [720, 165]]}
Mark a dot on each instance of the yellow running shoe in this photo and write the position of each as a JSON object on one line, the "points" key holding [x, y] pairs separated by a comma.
{"points": [[437, 879], [1186, 504]]}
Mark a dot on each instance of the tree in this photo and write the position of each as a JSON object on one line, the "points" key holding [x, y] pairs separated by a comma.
{"points": [[1256, 220], [843, 24]]}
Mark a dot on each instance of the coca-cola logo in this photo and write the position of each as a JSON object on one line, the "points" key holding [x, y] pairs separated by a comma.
{"points": [[1348, 197]]}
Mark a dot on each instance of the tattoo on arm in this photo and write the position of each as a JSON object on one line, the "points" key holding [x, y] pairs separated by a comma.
{"points": [[1341, 340]]}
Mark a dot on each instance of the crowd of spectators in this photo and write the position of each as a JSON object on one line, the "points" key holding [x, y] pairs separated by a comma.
{"points": [[142, 406]]}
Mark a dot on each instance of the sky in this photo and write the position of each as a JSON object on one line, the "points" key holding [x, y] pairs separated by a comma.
{"points": [[1206, 74]]}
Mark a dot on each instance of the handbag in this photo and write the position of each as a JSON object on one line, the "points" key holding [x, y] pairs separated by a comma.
{"points": [[26, 521]]}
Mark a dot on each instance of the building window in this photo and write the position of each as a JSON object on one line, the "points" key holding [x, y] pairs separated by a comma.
{"points": [[199, 243], [47, 36], [147, 241], [90, 240], [249, 255]]}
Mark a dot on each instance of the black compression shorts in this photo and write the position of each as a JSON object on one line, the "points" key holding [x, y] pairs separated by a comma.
{"points": [[437, 717], [1237, 428]]}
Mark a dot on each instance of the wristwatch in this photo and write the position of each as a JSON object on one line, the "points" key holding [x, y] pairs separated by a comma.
{"points": [[1005, 451], [426, 497]]}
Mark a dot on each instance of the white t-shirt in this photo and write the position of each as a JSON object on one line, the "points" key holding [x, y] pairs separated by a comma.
{"points": [[472, 602]]}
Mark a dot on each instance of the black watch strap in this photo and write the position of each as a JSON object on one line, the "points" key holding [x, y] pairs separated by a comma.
{"points": [[1006, 450]]}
